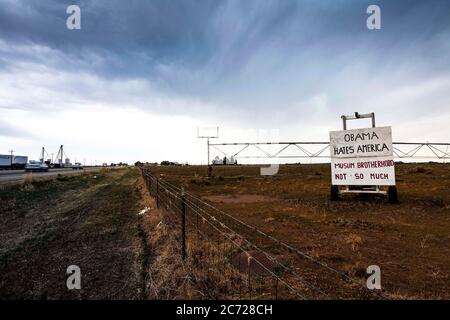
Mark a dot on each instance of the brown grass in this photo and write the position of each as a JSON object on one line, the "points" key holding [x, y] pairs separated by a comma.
{"points": [[204, 275], [83, 221], [28, 180], [409, 241]]}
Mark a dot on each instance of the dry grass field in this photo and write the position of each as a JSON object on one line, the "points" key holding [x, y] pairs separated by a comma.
{"points": [[409, 240], [87, 220], [92, 220]]}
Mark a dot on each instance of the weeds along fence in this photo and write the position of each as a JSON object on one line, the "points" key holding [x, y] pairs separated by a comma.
{"points": [[231, 259]]}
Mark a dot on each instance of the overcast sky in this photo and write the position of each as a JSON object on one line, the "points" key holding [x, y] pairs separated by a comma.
{"points": [[140, 76]]}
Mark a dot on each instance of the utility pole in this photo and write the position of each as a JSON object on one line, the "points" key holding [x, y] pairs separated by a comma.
{"points": [[207, 142], [11, 151], [208, 134], [62, 152]]}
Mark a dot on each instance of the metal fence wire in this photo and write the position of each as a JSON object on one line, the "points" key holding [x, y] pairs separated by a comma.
{"points": [[234, 260]]}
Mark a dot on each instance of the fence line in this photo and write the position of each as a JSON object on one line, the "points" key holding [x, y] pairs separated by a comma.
{"points": [[267, 255], [289, 247], [164, 189], [195, 213]]}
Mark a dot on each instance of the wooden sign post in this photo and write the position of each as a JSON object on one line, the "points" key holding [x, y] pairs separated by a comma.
{"points": [[362, 160]]}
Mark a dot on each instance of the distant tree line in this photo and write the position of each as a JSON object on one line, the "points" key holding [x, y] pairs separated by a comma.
{"points": [[163, 163]]}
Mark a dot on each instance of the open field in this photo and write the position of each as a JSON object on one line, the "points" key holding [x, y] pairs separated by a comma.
{"points": [[91, 220], [87, 220], [409, 240]]}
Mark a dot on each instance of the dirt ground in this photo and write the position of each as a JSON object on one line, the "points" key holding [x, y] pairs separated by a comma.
{"points": [[92, 221], [88, 220], [409, 241]]}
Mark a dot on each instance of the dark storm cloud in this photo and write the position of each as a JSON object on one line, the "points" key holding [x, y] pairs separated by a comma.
{"points": [[127, 32], [284, 56], [192, 33]]}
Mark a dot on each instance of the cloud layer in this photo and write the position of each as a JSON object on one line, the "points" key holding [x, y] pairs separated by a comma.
{"points": [[290, 65]]}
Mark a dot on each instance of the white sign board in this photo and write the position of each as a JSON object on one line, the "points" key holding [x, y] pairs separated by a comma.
{"points": [[362, 157]]}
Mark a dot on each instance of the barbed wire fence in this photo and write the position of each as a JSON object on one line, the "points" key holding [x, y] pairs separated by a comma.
{"points": [[248, 263]]}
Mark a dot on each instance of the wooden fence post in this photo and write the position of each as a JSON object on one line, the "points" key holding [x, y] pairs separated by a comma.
{"points": [[183, 224], [157, 192]]}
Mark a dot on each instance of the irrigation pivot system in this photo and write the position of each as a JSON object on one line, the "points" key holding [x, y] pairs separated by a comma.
{"points": [[317, 149], [320, 150]]}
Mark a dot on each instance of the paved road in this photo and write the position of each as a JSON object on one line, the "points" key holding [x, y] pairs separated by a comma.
{"points": [[8, 176]]}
